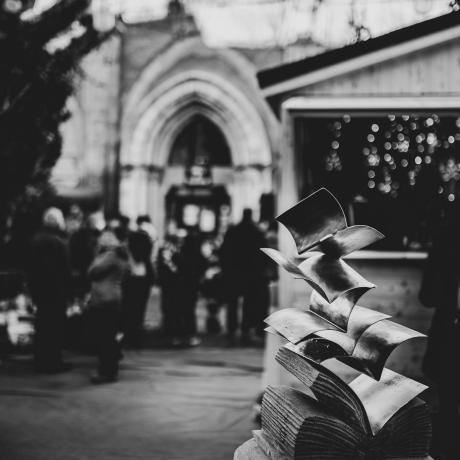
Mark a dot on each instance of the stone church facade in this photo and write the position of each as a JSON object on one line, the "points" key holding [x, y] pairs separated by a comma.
{"points": [[139, 92]]}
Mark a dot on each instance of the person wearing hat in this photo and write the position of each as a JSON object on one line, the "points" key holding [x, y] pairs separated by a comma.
{"points": [[107, 273]]}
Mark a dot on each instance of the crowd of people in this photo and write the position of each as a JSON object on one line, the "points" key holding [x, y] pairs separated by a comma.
{"points": [[223, 273], [106, 268]]}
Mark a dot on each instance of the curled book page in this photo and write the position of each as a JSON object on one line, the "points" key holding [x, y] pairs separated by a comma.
{"points": [[327, 387], [376, 344], [313, 218], [318, 221], [348, 240], [364, 399], [334, 277], [382, 399], [340, 310], [291, 268], [359, 320], [365, 346], [329, 277], [273, 331], [325, 345], [295, 324]]}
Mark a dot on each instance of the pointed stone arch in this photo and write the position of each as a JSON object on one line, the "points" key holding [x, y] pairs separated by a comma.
{"points": [[200, 91], [154, 115]]}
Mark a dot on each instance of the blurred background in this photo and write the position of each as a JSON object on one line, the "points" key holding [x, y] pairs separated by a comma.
{"points": [[146, 147]]}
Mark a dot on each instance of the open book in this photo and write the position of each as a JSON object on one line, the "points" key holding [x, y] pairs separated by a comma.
{"points": [[377, 414], [364, 401], [297, 427]]}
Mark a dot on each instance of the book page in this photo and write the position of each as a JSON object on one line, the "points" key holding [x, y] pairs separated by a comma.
{"points": [[345, 313], [383, 398], [361, 319], [273, 331], [337, 312], [292, 268], [328, 388], [377, 342], [348, 240], [334, 276], [325, 217], [295, 324]]}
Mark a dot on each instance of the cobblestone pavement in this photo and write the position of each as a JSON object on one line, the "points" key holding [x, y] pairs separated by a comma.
{"points": [[169, 404]]}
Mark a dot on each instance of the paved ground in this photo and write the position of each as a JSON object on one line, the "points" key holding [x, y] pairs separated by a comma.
{"points": [[169, 404]]}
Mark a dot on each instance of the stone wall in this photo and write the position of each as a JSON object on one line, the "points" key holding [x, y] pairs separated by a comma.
{"points": [[91, 134]]}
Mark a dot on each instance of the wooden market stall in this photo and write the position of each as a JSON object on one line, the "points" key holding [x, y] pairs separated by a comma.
{"points": [[378, 123]]}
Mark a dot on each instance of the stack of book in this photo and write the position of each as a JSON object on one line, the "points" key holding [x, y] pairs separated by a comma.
{"points": [[373, 414]]}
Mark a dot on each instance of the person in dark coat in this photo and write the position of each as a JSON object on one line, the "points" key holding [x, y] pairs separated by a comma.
{"points": [[50, 285], [82, 244], [441, 363], [138, 284], [106, 273], [191, 266], [211, 285], [244, 275], [168, 277]]}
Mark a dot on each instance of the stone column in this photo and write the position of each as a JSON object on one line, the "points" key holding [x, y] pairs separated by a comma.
{"points": [[249, 183], [287, 195], [134, 189], [156, 200]]}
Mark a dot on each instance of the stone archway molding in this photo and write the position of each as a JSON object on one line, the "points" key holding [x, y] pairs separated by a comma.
{"points": [[172, 128], [163, 100], [153, 73], [225, 105]]}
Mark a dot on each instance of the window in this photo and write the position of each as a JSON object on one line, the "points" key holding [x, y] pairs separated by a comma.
{"points": [[398, 172], [201, 142]]}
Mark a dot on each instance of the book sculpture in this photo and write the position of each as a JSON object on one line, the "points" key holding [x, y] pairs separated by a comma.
{"points": [[377, 415]]}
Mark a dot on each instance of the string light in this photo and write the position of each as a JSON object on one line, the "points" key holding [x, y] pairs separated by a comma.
{"points": [[332, 161], [397, 148]]}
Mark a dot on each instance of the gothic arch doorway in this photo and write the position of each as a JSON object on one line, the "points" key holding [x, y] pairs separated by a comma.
{"points": [[197, 203], [152, 129]]}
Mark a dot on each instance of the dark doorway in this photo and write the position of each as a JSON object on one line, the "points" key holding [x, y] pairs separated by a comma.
{"points": [[200, 142], [198, 204]]}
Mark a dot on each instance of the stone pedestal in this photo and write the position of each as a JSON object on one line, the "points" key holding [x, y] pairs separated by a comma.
{"points": [[249, 451]]}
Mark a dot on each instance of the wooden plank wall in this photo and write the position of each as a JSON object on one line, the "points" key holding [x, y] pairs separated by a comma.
{"points": [[431, 72]]}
